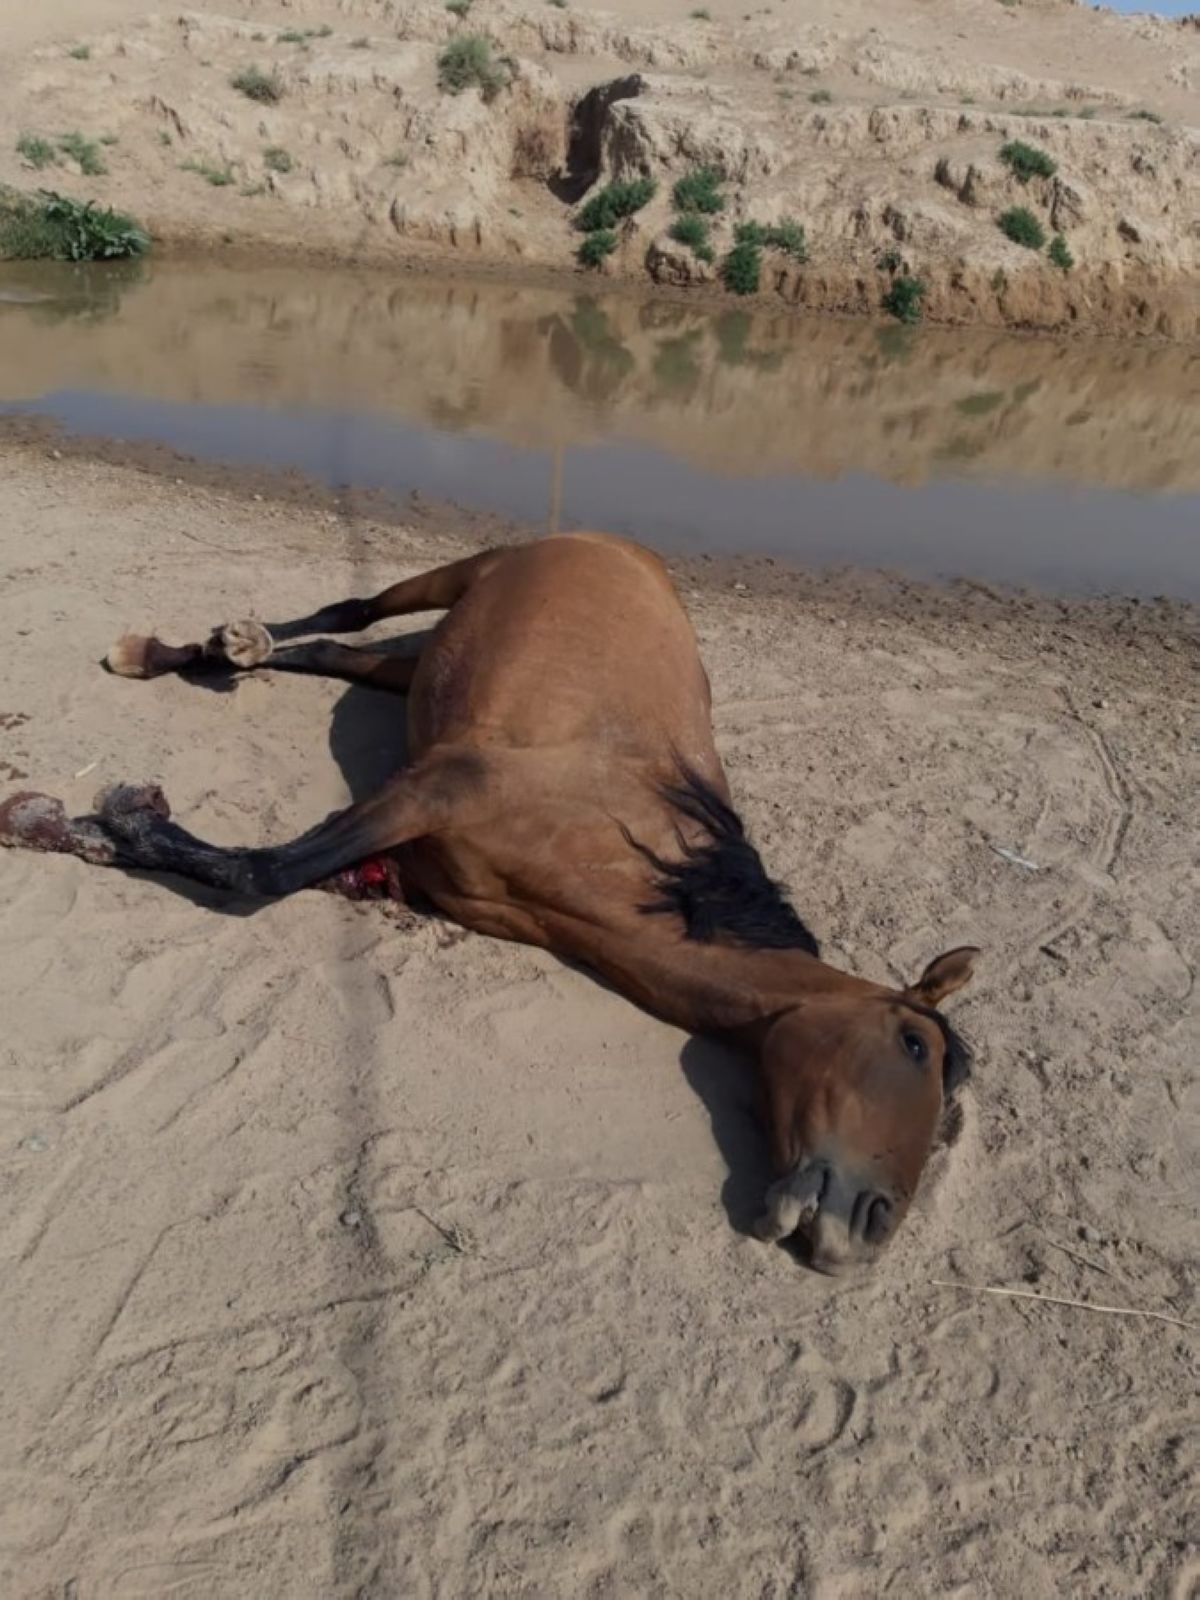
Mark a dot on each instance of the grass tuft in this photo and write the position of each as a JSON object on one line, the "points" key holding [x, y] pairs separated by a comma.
{"points": [[86, 152], [821, 97], [1060, 253], [277, 159], [1027, 161], [255, 84], [904, 300], [1022, 227], [36, 151], [601, 242], [467, 62], [699, 190], [80, 52], [741, 269], [219, 177], [692, 230], [1146, 116], [52, 226], [615, 202]]}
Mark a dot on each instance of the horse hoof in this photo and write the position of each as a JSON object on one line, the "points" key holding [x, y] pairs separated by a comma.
{"points": [[123, 806], [34, 822], [136, 656], [245, 644]]}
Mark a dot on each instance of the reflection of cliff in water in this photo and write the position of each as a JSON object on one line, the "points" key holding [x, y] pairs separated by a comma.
{"points": [[739, 392]]}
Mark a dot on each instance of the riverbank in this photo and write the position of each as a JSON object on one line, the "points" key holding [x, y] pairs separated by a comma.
{"points": [[880, 135], [349, 1255]]}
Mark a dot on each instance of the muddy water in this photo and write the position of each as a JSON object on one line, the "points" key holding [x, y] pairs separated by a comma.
{"points": [[1070, 466]]}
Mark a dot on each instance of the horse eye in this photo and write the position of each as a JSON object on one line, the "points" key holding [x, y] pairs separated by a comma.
{"points": [[915, 1045]]}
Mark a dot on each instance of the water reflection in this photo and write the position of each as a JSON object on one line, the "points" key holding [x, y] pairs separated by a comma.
{"points": [[719, 429]]}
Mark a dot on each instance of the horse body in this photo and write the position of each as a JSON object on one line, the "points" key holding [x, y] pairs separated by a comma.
{"points": [[564, 790]]}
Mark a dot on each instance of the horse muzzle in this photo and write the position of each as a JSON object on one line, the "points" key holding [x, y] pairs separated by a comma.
{"points": [[843, 1218]]}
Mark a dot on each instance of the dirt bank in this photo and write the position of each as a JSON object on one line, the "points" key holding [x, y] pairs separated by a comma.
{"points": [[878, 130], [349, 1256]]}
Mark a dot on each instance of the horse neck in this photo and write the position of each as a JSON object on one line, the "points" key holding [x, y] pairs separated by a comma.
{"points": [[707, 988]]}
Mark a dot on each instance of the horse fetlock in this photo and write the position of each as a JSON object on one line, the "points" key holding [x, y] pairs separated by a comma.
{"points": [[244, 644], [127, 807]]}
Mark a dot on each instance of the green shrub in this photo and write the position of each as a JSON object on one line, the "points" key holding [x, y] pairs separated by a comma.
{"points": [[701, 14], [614, 202], [36, 151], [1060, 253], [742, 268], [85, 151], [904, 299], [467, 62], [255, 84], [787, 235], [80, 52], [598, 244], [889, 260], [398, 158], [699, 190], [458, 7], [291, 36], [692, 230], [277, 159], [821, 97], [52, 226], [1022, 227], [1146, 116], [1026, 161]]}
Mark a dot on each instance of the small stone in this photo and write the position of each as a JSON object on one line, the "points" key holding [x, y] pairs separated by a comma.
{"points": [[37, 1142], [258, 497], [350, 1219], [56, 455], [1090, 1235]]}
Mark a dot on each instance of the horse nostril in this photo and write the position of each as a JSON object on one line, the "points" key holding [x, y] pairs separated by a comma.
{"points": [[877, 1220], [873, 1217]]}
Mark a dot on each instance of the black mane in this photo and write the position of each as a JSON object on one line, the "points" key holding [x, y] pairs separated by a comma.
{"points": [[720, 888]]}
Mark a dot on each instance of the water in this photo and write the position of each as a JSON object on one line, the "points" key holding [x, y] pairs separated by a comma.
{"points": [[1067, 466]]}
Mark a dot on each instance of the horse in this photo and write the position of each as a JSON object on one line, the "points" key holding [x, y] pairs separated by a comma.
{"points": [[563, 790]]}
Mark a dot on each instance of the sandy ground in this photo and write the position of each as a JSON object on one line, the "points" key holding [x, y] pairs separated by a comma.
{"points": [[877, 128], [348, 1255]]}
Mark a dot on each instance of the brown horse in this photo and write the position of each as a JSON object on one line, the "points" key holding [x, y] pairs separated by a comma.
{"points": [[564, 791]]}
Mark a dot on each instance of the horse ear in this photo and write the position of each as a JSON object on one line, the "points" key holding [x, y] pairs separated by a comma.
{"points": [[945, 974]]}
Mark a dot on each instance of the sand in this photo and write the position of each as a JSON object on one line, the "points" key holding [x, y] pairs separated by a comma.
{"points": [[350, 1255]]}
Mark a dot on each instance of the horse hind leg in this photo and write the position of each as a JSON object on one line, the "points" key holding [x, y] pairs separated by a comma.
{"points": [[248, 644]]}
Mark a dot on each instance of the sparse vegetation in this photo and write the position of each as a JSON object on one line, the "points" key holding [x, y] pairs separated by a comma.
{"points": [[277, 159], [786, 235], [1021, 226], [80, 52], [821, 97], [1026, 161], [1146, 116], [109, 138], [54, 227], [219, 177], [255, 84], [36, 151], [615, 202], [301, 36], [741, 269], [601, 242], [692, 230], [1060, 253], [889, 260], [361, 43], [458, 8], [904, 300], [251, 191], [561, 4], [84, 152], [164, 137], [398, 158], [701, 14], [467, 62], [699, 190]]}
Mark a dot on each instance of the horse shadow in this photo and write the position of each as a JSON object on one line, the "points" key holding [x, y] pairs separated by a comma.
{"points": [[719, 1079]]}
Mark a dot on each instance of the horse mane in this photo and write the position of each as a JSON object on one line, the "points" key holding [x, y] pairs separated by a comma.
{"points": [[719, 887]]}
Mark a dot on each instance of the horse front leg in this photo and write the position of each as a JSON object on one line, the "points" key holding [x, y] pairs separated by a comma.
{"points": [[132, 828]]}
